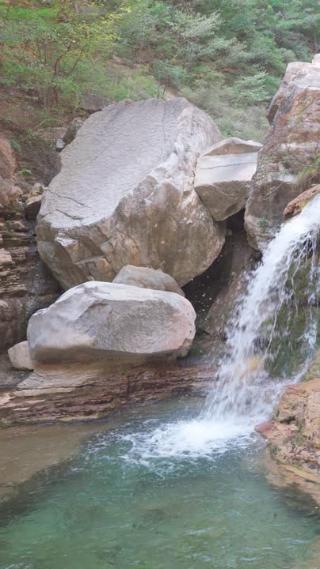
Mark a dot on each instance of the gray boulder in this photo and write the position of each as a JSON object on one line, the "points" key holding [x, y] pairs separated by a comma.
{"points": [[125, 195], [147, 278], [19, 356], [223, 176], [98, 320]]}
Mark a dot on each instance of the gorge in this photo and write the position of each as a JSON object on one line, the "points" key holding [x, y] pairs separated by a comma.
{"points": [[173, 264]]}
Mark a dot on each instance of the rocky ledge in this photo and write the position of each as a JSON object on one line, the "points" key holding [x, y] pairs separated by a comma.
{"points": [[293, 437], [87, 392]]}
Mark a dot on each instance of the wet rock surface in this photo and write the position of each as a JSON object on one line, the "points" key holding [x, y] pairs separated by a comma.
{"points": [[293, 435], [296, 206]]}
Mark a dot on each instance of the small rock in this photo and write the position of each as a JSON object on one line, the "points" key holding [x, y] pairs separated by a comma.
{"points": [[19, 356], [223, 176], [33, 203], [60, 144], [145, 277], [72, 130], [32, 207], [5, 258], [91, 102]]}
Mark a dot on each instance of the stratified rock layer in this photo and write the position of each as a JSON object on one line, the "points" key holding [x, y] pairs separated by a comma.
{"points": [[223, 176], [125, 196], [289, 153], [89, 392], [98, 320], [25, 282]]}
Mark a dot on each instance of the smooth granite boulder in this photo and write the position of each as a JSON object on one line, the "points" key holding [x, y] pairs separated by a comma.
{"points": [[125, 195], [98, 320]]}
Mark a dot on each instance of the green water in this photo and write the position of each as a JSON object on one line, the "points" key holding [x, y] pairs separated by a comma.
{"points": [[114, 508]]}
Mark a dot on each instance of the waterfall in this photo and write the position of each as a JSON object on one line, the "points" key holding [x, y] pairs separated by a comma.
{"points": [[282, 295], [270, 341]]}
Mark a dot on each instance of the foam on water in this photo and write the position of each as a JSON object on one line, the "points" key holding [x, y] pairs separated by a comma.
{"points": [[188, 439], [246, 387]]}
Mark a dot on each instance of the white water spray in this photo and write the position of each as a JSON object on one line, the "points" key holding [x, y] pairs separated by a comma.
{"points": [[274, 325]]}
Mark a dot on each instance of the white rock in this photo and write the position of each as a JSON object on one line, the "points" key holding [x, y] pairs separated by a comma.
{"points": [[98, 320], [223, 176], [147, 278], [19, 356]]}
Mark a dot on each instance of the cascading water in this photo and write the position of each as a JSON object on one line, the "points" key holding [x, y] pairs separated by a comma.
{"points": [[271, 339], [273, 306]]}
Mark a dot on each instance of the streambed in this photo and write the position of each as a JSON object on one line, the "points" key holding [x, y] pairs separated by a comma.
{"points": [[132, 498]]}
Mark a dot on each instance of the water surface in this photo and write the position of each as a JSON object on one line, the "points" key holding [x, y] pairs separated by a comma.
{"points": [[126, 501]]}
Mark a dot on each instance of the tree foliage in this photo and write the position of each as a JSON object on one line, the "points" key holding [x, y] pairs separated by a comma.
{"points": [[228, 57], [44, 48]]}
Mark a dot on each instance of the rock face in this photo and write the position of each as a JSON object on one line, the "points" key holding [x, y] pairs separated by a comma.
{"points": [[147, 278], [125, 196], [235, 262], [25, 282], [98, 320], [294, 434], [290, 152], [223, 176]]}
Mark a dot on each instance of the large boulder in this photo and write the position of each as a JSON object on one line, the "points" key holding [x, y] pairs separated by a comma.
{"points": [[290, 152], [147, 278], [224, 174], [98, 320], [125, 195]]}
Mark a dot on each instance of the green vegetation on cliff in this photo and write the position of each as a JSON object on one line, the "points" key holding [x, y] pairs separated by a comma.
{"points": [[226, 57]]}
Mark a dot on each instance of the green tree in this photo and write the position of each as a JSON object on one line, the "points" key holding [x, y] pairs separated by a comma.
{"points": [[43, 48]]}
